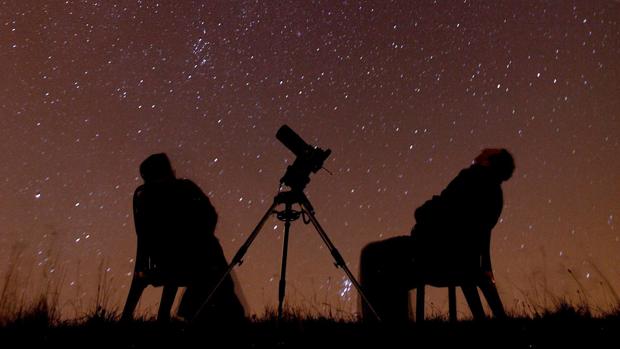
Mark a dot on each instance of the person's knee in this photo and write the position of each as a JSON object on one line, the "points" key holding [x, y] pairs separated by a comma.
{"points": [[371, 251], [367, 250], [369, 261]]}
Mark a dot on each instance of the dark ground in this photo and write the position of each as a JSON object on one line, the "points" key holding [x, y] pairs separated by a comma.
{"points": [[560, 329]]}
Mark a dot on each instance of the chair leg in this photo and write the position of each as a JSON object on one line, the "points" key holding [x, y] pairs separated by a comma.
{"points": [[492, 296], [473, 300], [167, 299], [452, 302], [419, 304], [135, 292]]}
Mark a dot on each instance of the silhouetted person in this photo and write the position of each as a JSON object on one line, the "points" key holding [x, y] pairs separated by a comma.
{"points": [[451, 240], [175, 224]]}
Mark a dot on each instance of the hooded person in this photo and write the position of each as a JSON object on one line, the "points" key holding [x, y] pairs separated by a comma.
{"points": [[175, 226]]}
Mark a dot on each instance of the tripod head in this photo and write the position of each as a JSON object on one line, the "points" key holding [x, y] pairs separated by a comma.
{"points": [[309, 159], [288, 198]]}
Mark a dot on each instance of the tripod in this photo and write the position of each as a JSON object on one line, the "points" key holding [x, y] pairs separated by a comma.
{"points": [[288, 198]]}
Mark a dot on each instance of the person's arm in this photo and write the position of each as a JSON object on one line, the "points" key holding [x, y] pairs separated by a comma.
{"points": [[485, 256], [204, 207], [494, 211], [141, 262], [211, 214]]}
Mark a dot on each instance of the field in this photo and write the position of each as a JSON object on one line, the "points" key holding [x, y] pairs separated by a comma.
{"points": [[556, 322], [566, 325]]}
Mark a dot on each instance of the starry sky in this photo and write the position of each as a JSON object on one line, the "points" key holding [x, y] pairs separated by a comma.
{"points": [[404, 93]]}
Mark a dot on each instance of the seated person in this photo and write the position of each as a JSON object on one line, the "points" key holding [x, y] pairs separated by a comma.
{"points": [[175, 224], [449, 244]]}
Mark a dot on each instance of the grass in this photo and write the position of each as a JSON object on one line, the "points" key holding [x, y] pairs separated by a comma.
{"points": [[563, 325], [550, 322]]}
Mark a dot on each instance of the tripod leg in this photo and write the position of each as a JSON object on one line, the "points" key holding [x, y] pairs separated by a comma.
{"points": [[238, 258], [305, 204], [282, 286]]}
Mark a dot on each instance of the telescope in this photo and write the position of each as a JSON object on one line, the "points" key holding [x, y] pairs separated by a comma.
{"points": [[309, 159]]}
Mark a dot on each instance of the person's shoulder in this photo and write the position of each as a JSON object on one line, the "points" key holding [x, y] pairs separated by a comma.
{"points": [[467, 177], [474, 170], [187, 185], [186, 182], [482, 178], [465, 173], [139, 191]]}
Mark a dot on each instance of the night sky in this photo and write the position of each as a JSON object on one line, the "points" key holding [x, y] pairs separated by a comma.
{"points": [[404, 93]]}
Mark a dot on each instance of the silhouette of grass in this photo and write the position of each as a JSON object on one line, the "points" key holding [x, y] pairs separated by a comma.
{"points": [[563, 325], [15, 304], [548, 321]]}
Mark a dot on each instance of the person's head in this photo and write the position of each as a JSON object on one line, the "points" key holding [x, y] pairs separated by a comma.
{"points": [[500, 161], [156, 167]]}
